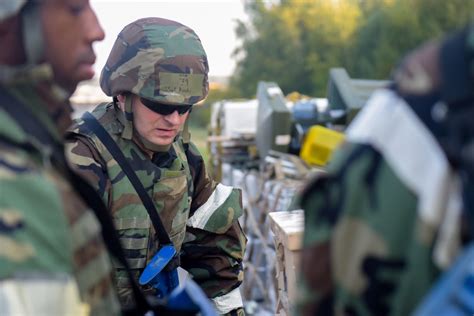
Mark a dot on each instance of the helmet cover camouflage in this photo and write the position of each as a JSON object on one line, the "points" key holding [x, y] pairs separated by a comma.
{"points": [[10, 7], [157, 59], [31, 25]]}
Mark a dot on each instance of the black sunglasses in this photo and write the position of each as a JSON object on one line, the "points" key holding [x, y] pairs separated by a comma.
{"points": [[166, 109]]}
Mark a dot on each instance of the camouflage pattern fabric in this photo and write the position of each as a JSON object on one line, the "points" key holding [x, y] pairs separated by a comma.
{"points": [[46, 231], [159, 60], [392, 214], [8, 8], [199, 215], [373, 227]]}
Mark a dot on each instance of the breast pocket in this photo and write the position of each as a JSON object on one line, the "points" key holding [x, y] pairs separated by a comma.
{"points": [[171, 196], [134, 232]]}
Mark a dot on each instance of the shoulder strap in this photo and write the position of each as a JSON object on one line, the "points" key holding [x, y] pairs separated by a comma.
{"points": [[32, 126], [91, 122]]}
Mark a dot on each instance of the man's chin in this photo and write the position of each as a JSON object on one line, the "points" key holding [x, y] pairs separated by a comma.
{"points": [[69, 85], [162, 141]]}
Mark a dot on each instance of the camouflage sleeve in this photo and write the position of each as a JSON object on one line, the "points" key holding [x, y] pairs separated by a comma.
{"points": [[323, 203], [315, 283], [85, 160], [215, 243], [35, 257]]}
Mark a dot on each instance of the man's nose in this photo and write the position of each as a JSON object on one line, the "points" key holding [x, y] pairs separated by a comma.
{"points": [[174, 118], [95, 32]]}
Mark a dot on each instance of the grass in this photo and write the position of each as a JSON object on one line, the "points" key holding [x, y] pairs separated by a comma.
{"points": [[199, 138]]}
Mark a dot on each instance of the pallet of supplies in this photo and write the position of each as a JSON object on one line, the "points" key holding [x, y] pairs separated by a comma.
{"points": [[287, 228]]}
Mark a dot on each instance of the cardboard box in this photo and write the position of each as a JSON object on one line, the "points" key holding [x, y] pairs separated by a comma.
{"points": [[287, 228]]}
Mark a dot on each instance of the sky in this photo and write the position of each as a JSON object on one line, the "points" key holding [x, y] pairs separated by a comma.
{"points": [[212, 20]]}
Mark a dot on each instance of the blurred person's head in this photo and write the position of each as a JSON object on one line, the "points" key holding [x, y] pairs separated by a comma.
{"points": [[58, 32]]}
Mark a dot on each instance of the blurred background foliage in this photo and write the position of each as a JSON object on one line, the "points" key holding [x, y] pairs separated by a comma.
{"points": [[295, 42]]}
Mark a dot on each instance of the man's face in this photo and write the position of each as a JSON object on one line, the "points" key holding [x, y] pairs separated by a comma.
{"points": [[156, 128], [70, 27]]}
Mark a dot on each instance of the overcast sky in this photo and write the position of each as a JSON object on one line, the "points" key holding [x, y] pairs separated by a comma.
{"points": [[212, 20]]}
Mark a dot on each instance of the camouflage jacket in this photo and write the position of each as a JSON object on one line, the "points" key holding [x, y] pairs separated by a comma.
{"points": [[52, 256], [385, 221], [200, 216], [397, 203]]}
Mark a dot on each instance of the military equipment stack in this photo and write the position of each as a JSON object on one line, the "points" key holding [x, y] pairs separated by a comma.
{"points": [[231, 141], [348, 94], [270, 147], [273, 119]]}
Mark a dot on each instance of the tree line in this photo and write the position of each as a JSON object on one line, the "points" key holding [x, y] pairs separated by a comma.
{"points": [[296, 42]]}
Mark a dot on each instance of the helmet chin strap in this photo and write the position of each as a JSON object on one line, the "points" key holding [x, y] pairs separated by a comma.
{"points": [[128, 118], [186, 134], [33, 39], [127, 133]]}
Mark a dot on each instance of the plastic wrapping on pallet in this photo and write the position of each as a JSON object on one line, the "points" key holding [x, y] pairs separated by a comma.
{"points": [[235, 118], [280, 194], [227, 174]]}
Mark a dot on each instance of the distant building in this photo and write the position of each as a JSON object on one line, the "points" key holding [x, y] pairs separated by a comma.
{"points": [[218, 82], [89, 93]]}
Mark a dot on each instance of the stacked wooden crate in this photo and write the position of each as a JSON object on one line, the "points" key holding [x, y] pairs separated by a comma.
{"points": [[287, 228]]}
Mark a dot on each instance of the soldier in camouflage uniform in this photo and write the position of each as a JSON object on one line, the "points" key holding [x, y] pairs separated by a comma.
{"points": [[157, 70], [391, 214], [52, 255]]}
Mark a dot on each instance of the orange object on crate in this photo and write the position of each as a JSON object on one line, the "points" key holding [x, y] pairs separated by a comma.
{"points": [[319, 144]]}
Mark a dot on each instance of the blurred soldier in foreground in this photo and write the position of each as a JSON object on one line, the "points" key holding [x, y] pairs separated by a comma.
{"points": [[396, 206], [52, 255], [137, 152]]}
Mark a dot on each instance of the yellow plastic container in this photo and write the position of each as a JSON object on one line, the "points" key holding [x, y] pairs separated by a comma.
{"points": [[319, 144]]}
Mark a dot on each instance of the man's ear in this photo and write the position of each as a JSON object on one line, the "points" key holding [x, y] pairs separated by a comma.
{"points": [[10, 36], [121, 98]]}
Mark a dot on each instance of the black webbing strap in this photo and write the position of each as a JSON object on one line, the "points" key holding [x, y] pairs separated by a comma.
{"points": [[33, 127], [94, 126]]}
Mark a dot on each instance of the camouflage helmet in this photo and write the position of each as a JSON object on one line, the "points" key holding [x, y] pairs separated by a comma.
{"points": [[32, 30], [10, 7], [159, 60]]}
